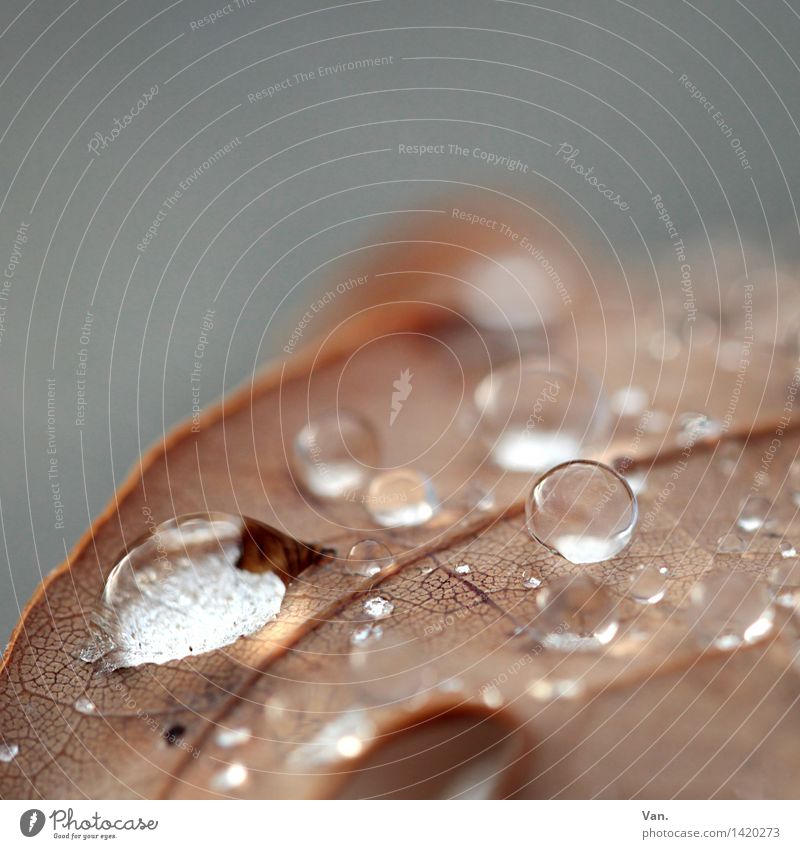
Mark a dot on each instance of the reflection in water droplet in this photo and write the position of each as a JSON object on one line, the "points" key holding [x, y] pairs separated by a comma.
{"points": [[233, 776], [462, 569], [378, 607], [629, 401], [8, 751], [753, 513], [787, 548], [335, 454], [535, 414], [648, 583], [228, 738], [366, 633], [583, 511], [730, 543], [530, 580], [197, 583], [730, 609], [368, 557], [695, 427], [402, 497], [574, 614], [784, 582], [83, 704]]}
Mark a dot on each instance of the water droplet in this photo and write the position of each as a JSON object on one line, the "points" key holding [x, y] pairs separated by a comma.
{"points": [[462, 569], [754, 513], [548, 689], [368, 557], [426, 570], [402, 497], [730, 543], [8, 751], [784, 582], [378, 607], [535, 414], [335, 454], [574, 614], [694, 427], [491, 697], [787, 548], [730, 609], [530, 580], [648, 583], [728, 456], [83, 704], [197, 583], [344, 737], [366, 633], [629, 401], [233, 776], [583, 511], [228, 738]]}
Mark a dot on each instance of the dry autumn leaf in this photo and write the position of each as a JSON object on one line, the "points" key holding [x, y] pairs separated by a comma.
{"points": [[440, 688]]}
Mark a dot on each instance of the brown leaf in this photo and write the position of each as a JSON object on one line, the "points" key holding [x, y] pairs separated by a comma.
{"points": [[454, 698]]}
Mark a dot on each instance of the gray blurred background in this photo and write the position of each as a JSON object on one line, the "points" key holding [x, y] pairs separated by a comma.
{"points": [[160, 160]]}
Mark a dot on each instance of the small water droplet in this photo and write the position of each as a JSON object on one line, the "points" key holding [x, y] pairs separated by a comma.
{"points": [[629, 401], [784, 582], [787, 549], [730, 609], [197, 583], [491, 697], [426, 570], [530, 580], [83, 704], [694, 427], [462, 569], [574, 614], [8, 751], [366, 633], [378, 607], [368, 557], [228, 738], [754, 513], [335, 454], [535, 414], [648, 583], [402, 497], [548, 689], [730, 543], [233, 776], [583, 511]]}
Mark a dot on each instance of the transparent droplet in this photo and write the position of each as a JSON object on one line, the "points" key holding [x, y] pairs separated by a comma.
{"points": [[462, 569], [648, 583], [534, 414], [228, 738], [787, 549], [730, 543], [574, 614], [583, 511], [730, 609], [366, 633], [229, 778], [8, 751], [784, 582], [426, 570], [335, 454], [368, 557], [754, 513], [83, 704], [530, 580], [197, 583], [629, 401], [402, 497], [378, 607], [695, 427]]}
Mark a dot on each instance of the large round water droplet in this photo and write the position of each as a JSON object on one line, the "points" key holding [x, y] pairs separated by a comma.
{"points": [[535, 415], [730, 609], [583, 511], [402, 497], [197, 583], [574, 614], [335, 454], [368, 557]]}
